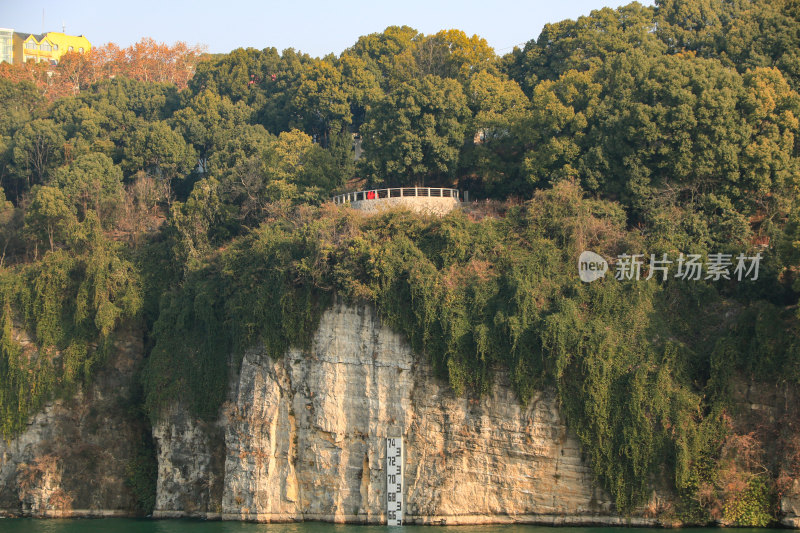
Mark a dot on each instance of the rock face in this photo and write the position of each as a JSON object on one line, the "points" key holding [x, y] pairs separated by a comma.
{"points": [[302, 437], [72, 458], [190, 467], [790, 506], [775, 406]]}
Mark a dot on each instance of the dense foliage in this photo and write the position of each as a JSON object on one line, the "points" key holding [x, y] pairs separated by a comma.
{"points": [[71, 302], [188, 195]]}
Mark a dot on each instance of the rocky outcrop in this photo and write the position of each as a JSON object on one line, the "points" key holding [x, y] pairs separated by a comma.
{"points": [[190, 466], [73, 457], [303, 439], [771, 410], [790, 505]]}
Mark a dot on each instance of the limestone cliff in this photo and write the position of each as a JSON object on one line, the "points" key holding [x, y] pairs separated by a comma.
{"points": [[302, 438], [73, 457]]}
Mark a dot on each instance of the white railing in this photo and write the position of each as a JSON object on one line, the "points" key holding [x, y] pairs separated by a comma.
{"points": [[398, 192]]}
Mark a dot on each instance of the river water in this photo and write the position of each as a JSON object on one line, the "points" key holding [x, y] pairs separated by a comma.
{"points": [[119, 525]]}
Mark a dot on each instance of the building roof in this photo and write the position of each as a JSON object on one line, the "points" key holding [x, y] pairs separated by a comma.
{"points": [[37, 36]]}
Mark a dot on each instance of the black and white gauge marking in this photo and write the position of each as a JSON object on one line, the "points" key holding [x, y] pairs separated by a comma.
{"points": [[394, 481]]}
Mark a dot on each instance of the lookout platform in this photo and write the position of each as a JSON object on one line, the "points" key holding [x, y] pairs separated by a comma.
{"points": [[427, 200]]}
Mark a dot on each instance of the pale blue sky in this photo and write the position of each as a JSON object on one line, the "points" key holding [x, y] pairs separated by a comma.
{"points": [[316, 27]]}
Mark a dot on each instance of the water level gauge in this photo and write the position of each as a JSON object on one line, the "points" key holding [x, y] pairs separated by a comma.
{"points": [[394, 481]]}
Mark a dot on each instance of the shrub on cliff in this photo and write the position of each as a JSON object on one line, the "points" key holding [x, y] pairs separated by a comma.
{"points": [[70, 303]]}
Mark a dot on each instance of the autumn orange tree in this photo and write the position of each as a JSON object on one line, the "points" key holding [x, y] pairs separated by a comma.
{"points": [[146, 60], [48, 85]]}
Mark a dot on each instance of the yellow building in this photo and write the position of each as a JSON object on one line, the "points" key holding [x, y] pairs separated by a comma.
{"points": [[48, 46]]}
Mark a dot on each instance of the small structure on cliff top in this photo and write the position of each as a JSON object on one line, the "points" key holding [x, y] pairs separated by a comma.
{"points": [[427, 200]]}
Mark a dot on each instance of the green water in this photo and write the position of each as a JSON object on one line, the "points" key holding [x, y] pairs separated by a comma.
{"points": [[118, 525]]}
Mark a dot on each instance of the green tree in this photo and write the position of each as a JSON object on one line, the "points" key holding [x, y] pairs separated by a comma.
{"points": [[208, 121], [49, 218], [20, 100], [252, 141], [746, 35], [770, 165], [9, 226], [672, 132], [306, 164], [195, 220], [38, 149], [242, 167], [389, 54], [361, 85], [154, 147], [322, 102], [275, 90], [558, 125], [415, 134], [84, 127], [451, 54], [244, 74], [257, 169], [149, 101], [491, 161], [583, 43], [92, 182]]}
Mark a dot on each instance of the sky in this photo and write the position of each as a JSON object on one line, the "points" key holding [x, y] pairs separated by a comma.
{"points": [[316, 27]]}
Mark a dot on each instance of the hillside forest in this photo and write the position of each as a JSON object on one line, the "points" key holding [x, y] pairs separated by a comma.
{"points": [[187, 195]]}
